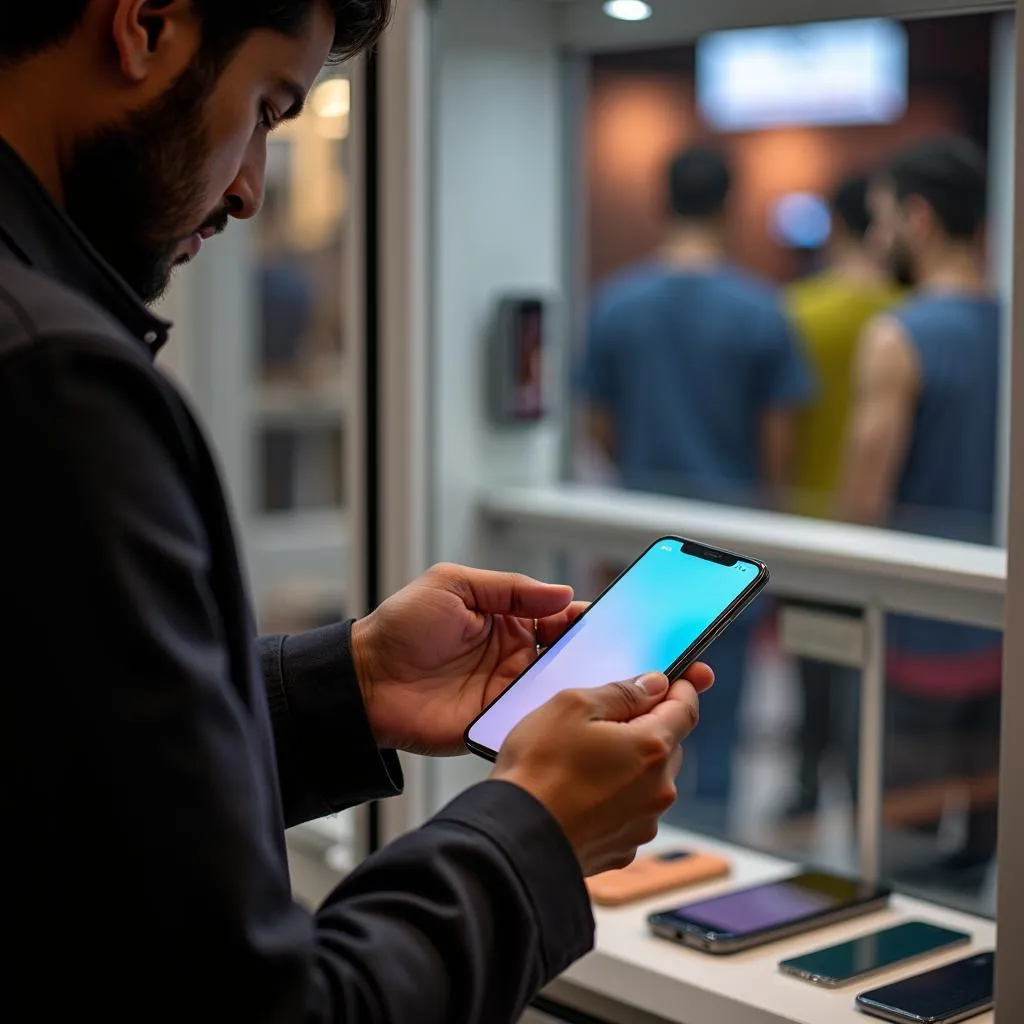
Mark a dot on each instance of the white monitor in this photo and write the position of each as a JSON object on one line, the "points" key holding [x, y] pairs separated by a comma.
{"points": [[825, 73]]}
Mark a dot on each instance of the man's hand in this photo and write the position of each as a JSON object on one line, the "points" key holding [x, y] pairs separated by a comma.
{"points": [[604, 761], [432, 657]]}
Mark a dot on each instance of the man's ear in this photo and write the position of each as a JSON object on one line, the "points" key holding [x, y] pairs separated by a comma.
{"points": [[151, 36], [920, 216]]}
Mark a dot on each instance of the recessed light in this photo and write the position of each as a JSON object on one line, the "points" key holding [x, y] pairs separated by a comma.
{"points": [[628, 10]]}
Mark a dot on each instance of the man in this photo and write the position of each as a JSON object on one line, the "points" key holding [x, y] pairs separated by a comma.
{"points": [[694, 380], [922, 457], [153, 750], [830, 310]]}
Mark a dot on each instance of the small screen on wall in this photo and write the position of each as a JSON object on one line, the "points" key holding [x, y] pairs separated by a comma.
{"points": [[826, 73]]}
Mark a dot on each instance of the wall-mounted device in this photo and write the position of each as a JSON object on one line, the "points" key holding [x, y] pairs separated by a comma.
{"points": [[517, 364]]}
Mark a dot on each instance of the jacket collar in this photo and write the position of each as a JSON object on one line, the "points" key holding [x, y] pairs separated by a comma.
{"points": [[41, 235]]}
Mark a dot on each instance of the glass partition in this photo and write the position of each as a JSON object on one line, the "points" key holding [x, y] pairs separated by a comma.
{"points": [[774, 298]]}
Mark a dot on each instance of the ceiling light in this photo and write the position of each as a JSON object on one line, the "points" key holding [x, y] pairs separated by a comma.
{"points": [[628, 10]]}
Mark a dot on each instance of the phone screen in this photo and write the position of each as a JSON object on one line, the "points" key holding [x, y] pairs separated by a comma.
{"points": [[943, 994], [850, 960], [764, 907], [650, 617]]}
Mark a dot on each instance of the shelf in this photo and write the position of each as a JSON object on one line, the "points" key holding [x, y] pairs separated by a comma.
{"points": [[298, 404], [632, 967], [808, 558]]}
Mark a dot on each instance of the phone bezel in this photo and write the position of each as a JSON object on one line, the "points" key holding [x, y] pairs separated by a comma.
{"points": [[668, 924], [687, 658], [792, 969]]}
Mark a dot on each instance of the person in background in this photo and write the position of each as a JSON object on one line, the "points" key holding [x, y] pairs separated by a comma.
{"points": [[830, 310], [922, 457], [694, 380]]}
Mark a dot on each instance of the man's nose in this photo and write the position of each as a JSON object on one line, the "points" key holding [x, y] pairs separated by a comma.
{"points": [[245, 196]]}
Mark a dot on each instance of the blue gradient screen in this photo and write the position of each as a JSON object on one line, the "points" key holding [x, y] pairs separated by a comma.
{"points": [[644, 623]]}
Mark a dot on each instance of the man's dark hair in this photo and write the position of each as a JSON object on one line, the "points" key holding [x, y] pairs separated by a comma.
{"points": [[29, 28], [699, 181], [950, 176], [850, 206]]}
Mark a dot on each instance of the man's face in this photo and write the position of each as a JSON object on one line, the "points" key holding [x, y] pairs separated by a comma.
{"points": [[889, 234], [149, 187]]}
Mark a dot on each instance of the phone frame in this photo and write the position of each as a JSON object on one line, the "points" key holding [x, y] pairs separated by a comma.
{"points": [[790, 969], [866, 1004], [690, 655], [665, 924]]}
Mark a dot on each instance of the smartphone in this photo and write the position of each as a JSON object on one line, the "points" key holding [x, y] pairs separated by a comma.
{"points": [[660, 615], [849, 961], [756, 916], [956, 992], [653, 874]]}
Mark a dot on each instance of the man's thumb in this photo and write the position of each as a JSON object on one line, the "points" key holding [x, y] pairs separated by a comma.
{"points": [[622, 702]]}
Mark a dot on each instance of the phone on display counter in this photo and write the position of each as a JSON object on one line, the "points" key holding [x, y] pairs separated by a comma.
{"points": [[849, 961], [661, 614], [761, 914], [947, 995], [653, 874]]}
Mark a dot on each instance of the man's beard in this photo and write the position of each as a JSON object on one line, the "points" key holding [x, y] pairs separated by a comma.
{"points": [[134, 189]]}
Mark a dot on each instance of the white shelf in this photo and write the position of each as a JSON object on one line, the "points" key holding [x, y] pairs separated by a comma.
{"points": [[630, 966], [808, 558]]}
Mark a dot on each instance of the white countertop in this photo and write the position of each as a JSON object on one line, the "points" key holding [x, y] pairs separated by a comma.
{"points": [[633, 967]]}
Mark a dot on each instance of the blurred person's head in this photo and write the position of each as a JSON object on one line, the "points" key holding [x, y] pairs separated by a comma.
{"points": [[147, 119], [852, 239], [699, 183], [928, 201]]}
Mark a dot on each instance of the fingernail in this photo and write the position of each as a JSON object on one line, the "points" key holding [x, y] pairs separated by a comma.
{"points": [[654, 685]]}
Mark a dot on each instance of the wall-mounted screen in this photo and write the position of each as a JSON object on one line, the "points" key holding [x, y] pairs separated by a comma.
{"points": [[826, 73]]}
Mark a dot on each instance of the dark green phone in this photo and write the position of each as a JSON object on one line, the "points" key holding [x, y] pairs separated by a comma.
{"points": [[849, 961]]}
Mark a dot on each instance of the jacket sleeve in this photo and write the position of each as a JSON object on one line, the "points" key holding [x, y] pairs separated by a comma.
{"points": [[327, 757], [151, 872]]}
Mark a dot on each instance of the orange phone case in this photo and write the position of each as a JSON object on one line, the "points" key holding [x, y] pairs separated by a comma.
{"points": [[655, 873]]}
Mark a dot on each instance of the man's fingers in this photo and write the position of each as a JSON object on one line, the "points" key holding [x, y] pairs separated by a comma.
{"points": [[677, 715], [622, 702], [550, 629], [700, 676], [506, 593]]}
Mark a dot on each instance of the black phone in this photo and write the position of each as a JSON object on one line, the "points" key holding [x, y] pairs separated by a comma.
{"points": [[764, 913], [955, 992], [659, 615], [840, 964]]}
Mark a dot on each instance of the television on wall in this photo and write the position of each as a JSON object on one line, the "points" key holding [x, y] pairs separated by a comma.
{"points": [[824, 73]]}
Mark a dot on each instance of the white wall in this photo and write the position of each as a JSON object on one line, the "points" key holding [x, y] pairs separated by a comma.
{"points": [[497, 228]]}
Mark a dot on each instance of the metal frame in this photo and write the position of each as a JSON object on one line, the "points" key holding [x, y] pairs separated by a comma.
{"points": [[1009, 977]]}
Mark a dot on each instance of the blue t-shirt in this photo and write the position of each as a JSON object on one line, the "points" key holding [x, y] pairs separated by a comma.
{"points": [[947, 485], [686, 364]]}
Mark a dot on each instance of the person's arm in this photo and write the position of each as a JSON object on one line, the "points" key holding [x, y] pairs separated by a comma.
{"points": [[327, 756], [778, 444], [886, 385], [140, 771], [785, 385], [598, 381]]}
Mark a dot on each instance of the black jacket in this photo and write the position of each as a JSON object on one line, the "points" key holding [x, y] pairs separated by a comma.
{"points": [[154, 749]]}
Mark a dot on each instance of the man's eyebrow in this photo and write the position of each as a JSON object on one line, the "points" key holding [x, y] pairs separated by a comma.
{"points": [[298, 98]]}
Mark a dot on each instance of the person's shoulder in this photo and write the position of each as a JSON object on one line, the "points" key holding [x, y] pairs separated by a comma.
{"points": [[629, 286], [36, 310], [749, 290]]}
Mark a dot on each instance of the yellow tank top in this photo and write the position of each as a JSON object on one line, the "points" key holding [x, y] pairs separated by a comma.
{"points": [[829, 314]]}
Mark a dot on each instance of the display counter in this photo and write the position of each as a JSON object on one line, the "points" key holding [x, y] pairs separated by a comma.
{"points": [[630, 970]]}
